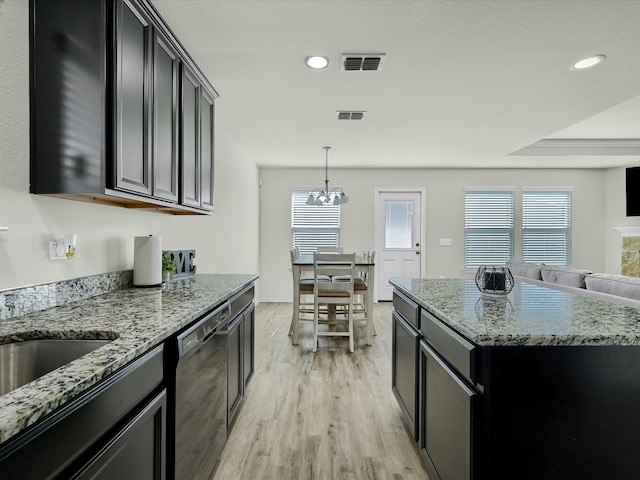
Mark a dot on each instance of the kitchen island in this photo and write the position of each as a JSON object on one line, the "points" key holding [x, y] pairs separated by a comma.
{"points": [[535, 384], [137, 321]]}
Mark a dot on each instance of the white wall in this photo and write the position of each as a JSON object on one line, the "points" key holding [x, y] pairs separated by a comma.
{"points": [[226, 242], [444, 213]]}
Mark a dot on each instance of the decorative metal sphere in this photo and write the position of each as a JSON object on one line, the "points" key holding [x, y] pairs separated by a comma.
{"points": [[494, 280]]}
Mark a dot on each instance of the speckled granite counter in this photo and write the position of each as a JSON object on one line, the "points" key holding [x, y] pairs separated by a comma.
{"points": [[135, 319], [529, 315]]}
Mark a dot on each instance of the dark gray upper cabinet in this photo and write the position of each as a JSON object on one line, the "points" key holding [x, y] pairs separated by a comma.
{"points": [[197, 142], [166, 81], [190, 117], [206, 149], [133, 106], [112, 90]]}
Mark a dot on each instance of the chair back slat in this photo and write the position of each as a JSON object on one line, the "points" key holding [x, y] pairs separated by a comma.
{"points": [[332, 264], [329, 249]]}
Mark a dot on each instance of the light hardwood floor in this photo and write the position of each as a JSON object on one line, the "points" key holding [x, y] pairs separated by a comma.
{"points": [[328, 415]]}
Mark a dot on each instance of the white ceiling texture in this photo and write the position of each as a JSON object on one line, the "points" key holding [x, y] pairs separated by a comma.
{"points": [[463, 83]]}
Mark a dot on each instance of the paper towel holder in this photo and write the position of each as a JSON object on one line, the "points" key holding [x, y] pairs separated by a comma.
{"points": [[147, 261]]}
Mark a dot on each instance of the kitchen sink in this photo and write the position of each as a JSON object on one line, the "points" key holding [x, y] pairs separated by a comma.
{"points": [[23, 362]]}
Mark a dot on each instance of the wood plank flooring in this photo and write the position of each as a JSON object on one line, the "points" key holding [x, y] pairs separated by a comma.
{"points": [[328, 415]]}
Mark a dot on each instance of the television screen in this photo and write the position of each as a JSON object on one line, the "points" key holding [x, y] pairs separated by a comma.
{"points": [[633, 191]]}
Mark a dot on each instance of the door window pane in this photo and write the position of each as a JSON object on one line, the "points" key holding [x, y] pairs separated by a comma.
{"points": [[398, 232]]}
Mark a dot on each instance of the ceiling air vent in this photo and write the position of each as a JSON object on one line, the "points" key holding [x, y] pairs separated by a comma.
{"points": [[362, 63], [349, 115]]}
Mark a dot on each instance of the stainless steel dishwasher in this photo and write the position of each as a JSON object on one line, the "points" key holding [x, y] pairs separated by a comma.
{"points": [[201, 395]]}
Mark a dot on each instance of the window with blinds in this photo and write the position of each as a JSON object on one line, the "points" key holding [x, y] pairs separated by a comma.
{"points": [[313, 226], [546, 226], [488, 226]]}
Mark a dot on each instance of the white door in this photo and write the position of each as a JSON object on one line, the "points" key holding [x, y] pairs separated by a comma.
{"points": [[399, 233]]}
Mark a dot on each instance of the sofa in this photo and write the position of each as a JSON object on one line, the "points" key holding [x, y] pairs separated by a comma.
{"points": [[618, 289]]}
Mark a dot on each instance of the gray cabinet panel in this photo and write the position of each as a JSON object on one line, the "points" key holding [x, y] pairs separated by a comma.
{"points": [[248, 345], [165, 118], [446, 419], [404, 370], [234, 365], [190, 157], [206, 152], [137, 451], [133, 32]]}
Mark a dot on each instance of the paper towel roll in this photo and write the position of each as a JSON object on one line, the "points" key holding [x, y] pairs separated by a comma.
{"points": [[147, 261]]}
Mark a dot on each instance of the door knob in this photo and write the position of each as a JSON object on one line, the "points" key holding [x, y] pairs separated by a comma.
{"points": [[417, 252]]}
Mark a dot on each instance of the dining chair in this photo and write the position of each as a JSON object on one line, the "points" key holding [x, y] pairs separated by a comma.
{"points": [[361, 289], [333, 293], [302, 297]]}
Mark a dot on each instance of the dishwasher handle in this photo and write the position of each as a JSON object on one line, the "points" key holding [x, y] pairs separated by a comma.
{"points": [[195, 336]]}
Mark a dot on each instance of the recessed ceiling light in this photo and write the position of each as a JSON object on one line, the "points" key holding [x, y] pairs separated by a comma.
{"points": [[588, 62], [316, 62]]}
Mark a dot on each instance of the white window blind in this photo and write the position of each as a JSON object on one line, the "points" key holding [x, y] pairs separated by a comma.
{"points": [[313, 226], [546, 226], [488, 226]]}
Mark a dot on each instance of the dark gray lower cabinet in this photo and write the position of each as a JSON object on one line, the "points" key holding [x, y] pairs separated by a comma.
{"points": [[241, 351], [404, 369], [446, 418], [114, 430], [248, 344], [133, 452], [234, 365]]}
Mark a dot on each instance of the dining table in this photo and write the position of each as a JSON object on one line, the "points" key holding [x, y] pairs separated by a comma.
{"points": [[366, 265]]}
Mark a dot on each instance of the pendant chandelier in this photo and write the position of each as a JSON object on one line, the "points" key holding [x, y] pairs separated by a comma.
{"points": [[324, 196]]}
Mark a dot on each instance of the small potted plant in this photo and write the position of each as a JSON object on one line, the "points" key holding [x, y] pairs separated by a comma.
{"points": [[168, 265]]}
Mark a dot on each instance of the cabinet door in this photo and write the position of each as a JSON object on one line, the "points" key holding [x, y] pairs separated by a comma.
{"points": [[133, 66], [234, 365], [248, 344], [136, 451], [190, 133], [446, 417], [404, 367], [206, 149], [165, 119]]}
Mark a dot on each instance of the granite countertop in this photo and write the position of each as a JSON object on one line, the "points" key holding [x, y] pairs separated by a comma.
{"points": [[135, 319], [529, 315]]}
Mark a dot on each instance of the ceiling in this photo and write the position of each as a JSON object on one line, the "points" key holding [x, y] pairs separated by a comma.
{"points": [[463, 83]]}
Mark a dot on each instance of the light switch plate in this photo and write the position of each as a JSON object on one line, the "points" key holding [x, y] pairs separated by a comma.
{"points": [[446, 242]]}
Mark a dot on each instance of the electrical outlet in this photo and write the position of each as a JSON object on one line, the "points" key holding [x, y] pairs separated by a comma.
{"points": [[56, 250]]}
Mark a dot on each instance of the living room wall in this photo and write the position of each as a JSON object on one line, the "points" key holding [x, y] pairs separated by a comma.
{"points": [[444, 214]]}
